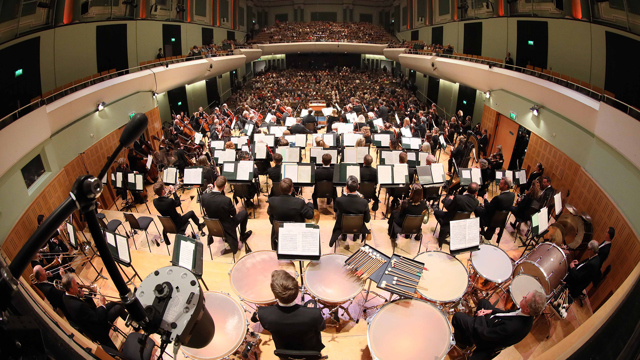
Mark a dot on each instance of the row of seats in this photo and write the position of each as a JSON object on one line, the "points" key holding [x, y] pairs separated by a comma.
{"points": [[55, 94]]}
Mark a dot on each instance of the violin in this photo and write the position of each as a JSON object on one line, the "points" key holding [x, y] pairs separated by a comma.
{"points": [[205, 122]]}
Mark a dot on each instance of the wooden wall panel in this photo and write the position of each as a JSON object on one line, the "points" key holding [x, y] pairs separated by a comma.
{"points": [[155, 126], [489, 122], [587, 196]]}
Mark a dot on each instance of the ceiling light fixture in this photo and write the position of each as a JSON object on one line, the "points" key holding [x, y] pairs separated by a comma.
{"points": [[101, 105], [535, 109]]}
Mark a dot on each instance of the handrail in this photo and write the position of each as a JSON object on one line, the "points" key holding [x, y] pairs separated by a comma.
{"points": [[15, 115], [620, 105], [444, 111]]}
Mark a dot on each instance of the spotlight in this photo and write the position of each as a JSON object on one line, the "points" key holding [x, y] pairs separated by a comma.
{"points": [[101, 105], [154, 94], [535, 109], [487, 94]]}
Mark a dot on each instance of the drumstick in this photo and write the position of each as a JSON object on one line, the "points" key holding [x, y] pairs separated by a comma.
{"points": [[360, 262], [409, 285], [391, 272], [410, 271], [403, 267], [407, 262], [372, 262], [384, 285], [378, 263], [355, 258]]}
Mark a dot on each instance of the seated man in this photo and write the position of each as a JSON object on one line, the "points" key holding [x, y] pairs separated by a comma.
{"points": [[95, 322], [369, 174], [53, 295], [253, 187], [275, 172], [287, 207], [298, 128], [324, 173], [310, 119], [582, 274], [218, 206], [166, 206], [500, 202], [292, 326], [350, 203], [493, 329], [455, 204]]}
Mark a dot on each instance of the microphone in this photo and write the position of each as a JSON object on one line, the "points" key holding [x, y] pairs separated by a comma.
{"points": [[134, 129]]}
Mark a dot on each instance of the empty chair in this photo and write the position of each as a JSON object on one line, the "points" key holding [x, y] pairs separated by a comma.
{"points": [[368, 191], [215, 228], [112, 226], [352, 224], [498, 221], [170, 228], [411, 225], [325, 190], [142, 223]]}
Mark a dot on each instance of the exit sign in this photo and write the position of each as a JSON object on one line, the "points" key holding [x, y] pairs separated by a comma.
{"points": [[174, 40], [530, 42], [464, 102], [513, 116], [18, 72], [131, 115], [179, 103]]}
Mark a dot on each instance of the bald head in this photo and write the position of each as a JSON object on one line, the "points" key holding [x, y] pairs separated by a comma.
{"points": [[39, 273]]}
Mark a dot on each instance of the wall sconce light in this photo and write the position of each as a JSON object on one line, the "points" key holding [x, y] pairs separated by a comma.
{"points": [[101, 105], [535, 109]]}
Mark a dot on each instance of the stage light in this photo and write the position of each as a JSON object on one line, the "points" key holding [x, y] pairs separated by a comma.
{"points": [[487, 94], [101, 105], [535, 109]]}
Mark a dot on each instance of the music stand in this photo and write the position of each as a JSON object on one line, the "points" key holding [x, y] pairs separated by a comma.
{"points": [[73, 241], [187, 253], [464, 236], [119, 247], [299, 242]]}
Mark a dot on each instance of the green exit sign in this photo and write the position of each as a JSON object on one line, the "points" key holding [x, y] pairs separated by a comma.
{"points": [[18, 72], [131, 115], [179, 103], [174, 40], [464, 102], [513, 116], [530, 42]]}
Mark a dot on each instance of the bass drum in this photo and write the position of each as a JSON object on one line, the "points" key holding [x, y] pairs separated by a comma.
{"points": [[547, 263]]}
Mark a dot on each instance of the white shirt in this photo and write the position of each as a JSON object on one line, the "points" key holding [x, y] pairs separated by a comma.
{"points": [[515, 313], [286, 305], [604, 243]]}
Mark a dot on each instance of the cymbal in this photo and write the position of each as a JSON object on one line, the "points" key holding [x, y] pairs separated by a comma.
{"points": [[555, 234]]}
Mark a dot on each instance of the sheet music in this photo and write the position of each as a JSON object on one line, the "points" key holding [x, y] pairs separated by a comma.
{"points": [[149, 161], [465, 234], [422, 156], [397, 120], [113, 178], [277, 130], [244, 170], [245, 147], [535, 222], [228, 167], [193, 176], [543, 220], [169, 175], [424, 175], [304, 112], [217, 144], [523, 176], [351, 138], [225, 155], [139, 182], [72, 235], [131, 179], [186, 254], [261, 151], [509, 175], [476, 175], [361, 152], [400, 173], [411, 156], [304, 174], [248, 128], [557, 199], [437, 171], [384, 174], [378, 122], [290, 171], [293, 154], [442, 142], [350, 155], [302, 241], [239, 140], [391, 157], [123, 248], [466, 176], [270, 118], [329, 139], [345, 128], [267, 139], [383, 138], [353, 170], [413, 143], [499, 174], [405, 132], [111, 239], [327, 111], [301, 140], [352, 117], [197, 138], [317, 153], [118, 179], [290, 121]]}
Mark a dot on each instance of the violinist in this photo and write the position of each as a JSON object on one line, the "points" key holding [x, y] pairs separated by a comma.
{"points": [[138, 164], [124, 168]]}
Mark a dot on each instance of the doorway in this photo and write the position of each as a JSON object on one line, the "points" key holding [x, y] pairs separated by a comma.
{"points": [[506, 134], [519, 149]]}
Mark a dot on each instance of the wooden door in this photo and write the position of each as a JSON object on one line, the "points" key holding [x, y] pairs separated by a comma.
{"points": [[506, 133]]}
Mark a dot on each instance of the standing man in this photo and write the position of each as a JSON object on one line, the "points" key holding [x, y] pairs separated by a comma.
{"points": [[287, 207], [605, 247], [582, 274], [310, 119], [370, 175], [166, 205]]}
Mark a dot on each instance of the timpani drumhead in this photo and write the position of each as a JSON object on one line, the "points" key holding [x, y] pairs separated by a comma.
{"points": [[329, 280], [231, 326], [251, 276], [447, 278], [409, 329], [492, 263], [521, 285]]}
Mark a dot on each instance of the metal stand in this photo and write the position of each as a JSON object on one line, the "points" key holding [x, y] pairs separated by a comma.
{"points": [[88, 243]]}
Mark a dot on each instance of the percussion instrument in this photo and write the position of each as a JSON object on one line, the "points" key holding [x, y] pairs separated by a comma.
{"points": [[229, 317], [547, 263], [409, 329], [555, 234], [578, 227], [446, 280], [251, 276], [329, 281], [520, 286], [492, 266]]}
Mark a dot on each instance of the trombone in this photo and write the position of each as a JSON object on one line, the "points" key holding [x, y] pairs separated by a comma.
{"points": [[92, 290], [72, 264]]}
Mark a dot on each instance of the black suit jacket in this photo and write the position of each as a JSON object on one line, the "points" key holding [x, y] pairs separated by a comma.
{"points": [[351, 204], [383, 113], [462, 203], [289, 208], [166, 206], [324, 174], [368, 174], [299, 129], [309, 119], [603, 252], [490, 331], [93, 321], [275, 173], [581, 276], [502, 202], [53, 295], [293, 328], [218, 206]]}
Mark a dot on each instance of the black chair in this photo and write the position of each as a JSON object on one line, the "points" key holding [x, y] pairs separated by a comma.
{"points": [[275, 189], [534, 208], [411, 225], [141, 223], [242, 191], [432, 194], [325, 190], [351, 225], [368, 191], [170, 228], [215, 228], [113, 226], [298, 355], [131, 348], [498, 221], [311, 127]]}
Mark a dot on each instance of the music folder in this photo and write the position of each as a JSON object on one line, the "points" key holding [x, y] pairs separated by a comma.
{"points": [[217, 144], [73, 239], [170, 175], [520, 177], [355, 154], [186, 252], [343, 170], [299, 241], [412, 143], [330, 139], [222, 156], [540, 221], [290, 121], [381, 140], [327, 111], [259, 151], [557, 199], [469, 175], [238, 170], [238, 141], [298, 173], [289, 154], [465, 235], [424, 175], [268, 139], [315, 155], [119, 247], [193, 175], [350, 139]]}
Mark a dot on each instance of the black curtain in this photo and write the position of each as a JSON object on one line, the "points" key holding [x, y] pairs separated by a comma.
{"points": [[178, 100], [532, 43], [207, 36], [171, 40], [213, 96], [111, 47], [437, 33], [622, 75], [473, 38], [19, 75], [433, 89], [231, 35], [466, 100], [415, 35]]}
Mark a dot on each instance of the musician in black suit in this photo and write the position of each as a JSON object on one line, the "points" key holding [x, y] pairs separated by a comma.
{"points": [[370, 175], [413, 205], [95, 322], [455, 204], [605, 247], [324, 173], [547, 191], [50, 292], [493, 329], [383, 112], [501, 202], [275, 172], [298, 128], [533, 176], [166, 206], [218, 206], [310, 119], [582, 274], [292, 326], [287, 207], [350, 203], [456, 155], [483, 142]]}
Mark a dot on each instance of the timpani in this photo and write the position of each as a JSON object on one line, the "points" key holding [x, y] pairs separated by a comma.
{"points": [[409, 329], [520, 286], [491, 266], [329, 282], [446, 279]]}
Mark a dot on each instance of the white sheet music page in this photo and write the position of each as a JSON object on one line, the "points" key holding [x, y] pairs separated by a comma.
{"points": [[217, 144], [149, 161], [350, 139], [301, 140], [303, 241], [391, 157], [509, 175], [384, 139], [378, 122], [244, 170], [437, 171], [329, 139], [261, 151], [290, 121], [277, 130], [72, 235], [228, 167], [345, 128], [499, 174], [350, 155], [352, 117], [186, 254], [353, 170], [327, 111], [197, 137], [465, 233], [466, 174], [423, 158], [476, 175], [304, 112], [400, 173], [270, 118], [131, 179], [139, 182], [304, 174], [169, 175], [543, 220], [405, 132], [523, 176], [361, 152], [111, 239], [123, 248], [411, 156], [193, 176], [119, 179], [229, 155], [557, 199], [291, 171], [293, 154], [384, 174]]}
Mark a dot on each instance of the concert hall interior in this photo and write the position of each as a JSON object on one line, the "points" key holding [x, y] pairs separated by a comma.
{"points": [[449, 179]]}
